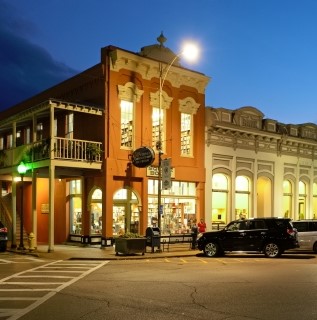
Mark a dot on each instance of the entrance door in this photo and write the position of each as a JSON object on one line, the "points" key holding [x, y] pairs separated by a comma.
{"points": [[125, 218], [126, 214]]}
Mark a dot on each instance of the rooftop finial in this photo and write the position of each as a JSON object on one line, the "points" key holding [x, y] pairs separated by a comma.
{"points": [[161, 39]]}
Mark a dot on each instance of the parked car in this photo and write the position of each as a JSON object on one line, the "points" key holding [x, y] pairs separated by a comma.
{"points": [[271, 236], [307, 234], [3, 237]]}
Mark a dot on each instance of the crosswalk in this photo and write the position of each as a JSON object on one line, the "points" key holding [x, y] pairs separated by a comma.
{"points": [[22, 292]]}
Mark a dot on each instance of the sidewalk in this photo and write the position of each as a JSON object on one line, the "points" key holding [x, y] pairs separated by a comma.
{"points": [[95, 252]]}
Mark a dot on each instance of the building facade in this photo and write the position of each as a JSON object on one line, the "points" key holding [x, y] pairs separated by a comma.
{"points": [[77, 140], [258, 167]]}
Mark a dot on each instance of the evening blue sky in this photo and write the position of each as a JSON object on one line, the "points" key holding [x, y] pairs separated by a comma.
{"points": [[259, 53]]}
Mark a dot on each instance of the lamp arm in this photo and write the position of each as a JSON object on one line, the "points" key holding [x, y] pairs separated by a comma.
{"points": [[167, 69]]}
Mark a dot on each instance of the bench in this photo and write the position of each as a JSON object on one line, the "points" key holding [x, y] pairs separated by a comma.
{"points": [[175, 239]]}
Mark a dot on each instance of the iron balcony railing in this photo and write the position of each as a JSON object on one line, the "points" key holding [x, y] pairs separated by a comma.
{"points": [[56, 148]]}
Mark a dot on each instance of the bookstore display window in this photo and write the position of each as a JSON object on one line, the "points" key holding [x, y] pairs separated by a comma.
{"points": [[96, 212], [126, 212], [179, 207], [219, 199], [242, 197], [75, 206], [186, 132], [126, 124], [158, 124]]}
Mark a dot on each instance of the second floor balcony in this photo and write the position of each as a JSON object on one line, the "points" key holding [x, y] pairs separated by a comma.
{"points": [[53, 149]]}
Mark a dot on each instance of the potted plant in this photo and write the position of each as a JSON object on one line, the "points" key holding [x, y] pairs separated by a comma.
{"points": [[93, 152], [130, 243]]}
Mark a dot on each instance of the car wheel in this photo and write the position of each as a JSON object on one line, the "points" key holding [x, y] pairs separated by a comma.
{"points": [[211, 249], [315, 247], [272, 250]]}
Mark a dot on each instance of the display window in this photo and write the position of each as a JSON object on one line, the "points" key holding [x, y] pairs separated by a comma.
{"points": [[179, 207]]}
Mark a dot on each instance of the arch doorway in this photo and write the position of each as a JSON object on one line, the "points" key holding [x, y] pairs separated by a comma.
{"points": [[96, 212], [126, 212]]}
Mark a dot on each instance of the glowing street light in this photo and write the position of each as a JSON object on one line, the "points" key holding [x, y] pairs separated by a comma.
{"points": [[190, 52]]}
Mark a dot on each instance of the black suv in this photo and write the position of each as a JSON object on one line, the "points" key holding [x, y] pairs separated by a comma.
{"points": [[268, 235]]}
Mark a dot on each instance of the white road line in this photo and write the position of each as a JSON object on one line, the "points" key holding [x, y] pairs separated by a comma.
{"points": [[49, 291]]}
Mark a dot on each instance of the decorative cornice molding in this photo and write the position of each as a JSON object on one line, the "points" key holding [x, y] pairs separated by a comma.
{"points": [[149, 69], [188, 105], [155, 100], [130, 92]]}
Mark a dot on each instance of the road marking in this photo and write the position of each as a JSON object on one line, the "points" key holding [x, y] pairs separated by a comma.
{"points": [[46, 289]]}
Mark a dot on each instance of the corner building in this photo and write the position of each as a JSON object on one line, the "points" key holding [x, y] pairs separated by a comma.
{"points": [[77, 139]]}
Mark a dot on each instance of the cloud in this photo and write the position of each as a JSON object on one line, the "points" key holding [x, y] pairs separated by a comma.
{"points": [[25, 68]]}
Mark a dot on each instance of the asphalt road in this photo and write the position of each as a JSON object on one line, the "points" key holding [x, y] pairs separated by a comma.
{"points": [[235, 287]]}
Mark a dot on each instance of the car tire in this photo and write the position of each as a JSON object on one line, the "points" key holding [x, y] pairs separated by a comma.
{"points": [[315, 247], [211, 249], [272, 250]]}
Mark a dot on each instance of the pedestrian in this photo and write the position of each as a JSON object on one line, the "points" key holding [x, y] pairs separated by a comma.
{"points": [[194, 232], [202, 226]]}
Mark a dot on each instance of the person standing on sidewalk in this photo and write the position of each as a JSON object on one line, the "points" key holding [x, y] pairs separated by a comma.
{"points": [[194, 232], [202, 226]]}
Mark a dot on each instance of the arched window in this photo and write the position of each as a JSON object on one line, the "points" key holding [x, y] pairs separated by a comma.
{"points": [[287, 199], [96, 212], [302, 200], [219, 199], [242, 197], [314, 200]]}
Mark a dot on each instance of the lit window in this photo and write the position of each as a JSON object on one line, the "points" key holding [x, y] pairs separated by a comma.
{"points": [[242, 197], [186, 134], [39, 131], [126, 124], [158, 134]]}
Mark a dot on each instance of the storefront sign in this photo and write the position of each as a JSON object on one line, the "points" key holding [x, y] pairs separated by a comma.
{"points": [[143, 157], [153, 172]]}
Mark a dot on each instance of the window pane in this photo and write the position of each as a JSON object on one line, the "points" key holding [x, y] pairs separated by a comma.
{"points": [[219, 182], [186, 132], [126, 124], [242, 183], [156, 134]]}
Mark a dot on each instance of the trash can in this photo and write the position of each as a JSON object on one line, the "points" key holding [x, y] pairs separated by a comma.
{"points": [[153, 237]]}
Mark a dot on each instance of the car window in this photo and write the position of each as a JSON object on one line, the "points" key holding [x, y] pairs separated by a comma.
{"points": [[301, 226], [313, 226], [257, 224], [234, 226]]}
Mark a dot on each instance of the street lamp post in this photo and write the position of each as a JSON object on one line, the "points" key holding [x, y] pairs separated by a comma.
{"points": [[190, 51], [21, 170]]}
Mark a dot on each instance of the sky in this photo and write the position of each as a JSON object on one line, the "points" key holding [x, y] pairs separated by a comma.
{"points": [[259, 53]]}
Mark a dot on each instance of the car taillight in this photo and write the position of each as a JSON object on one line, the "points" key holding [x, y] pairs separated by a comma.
{"points": [[3, 229], [291, 232]]}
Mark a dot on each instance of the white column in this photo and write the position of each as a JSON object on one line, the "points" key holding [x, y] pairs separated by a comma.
{"points": [[34, 212], [14, 213], [232, 190], [51, 225], [51, 207]]}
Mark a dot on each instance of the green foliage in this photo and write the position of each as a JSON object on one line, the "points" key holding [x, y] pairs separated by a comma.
{"points": [[130, 235]]}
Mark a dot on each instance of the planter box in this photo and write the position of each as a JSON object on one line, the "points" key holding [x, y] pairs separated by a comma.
{"points": [[130, 245]]}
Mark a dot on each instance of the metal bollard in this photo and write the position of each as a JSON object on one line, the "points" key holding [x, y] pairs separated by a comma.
{"points": [[31, 241]]}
